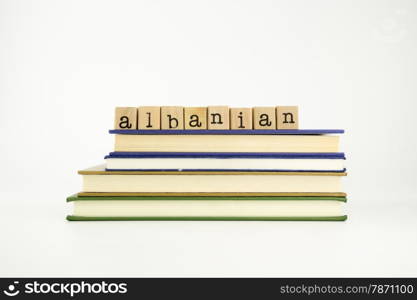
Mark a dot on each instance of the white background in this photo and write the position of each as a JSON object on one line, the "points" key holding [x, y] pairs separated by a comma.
{"points": [[65, 65]]}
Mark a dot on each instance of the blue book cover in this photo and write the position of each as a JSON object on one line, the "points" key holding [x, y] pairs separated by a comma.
{"points": [[226, 155], [232, 132]]}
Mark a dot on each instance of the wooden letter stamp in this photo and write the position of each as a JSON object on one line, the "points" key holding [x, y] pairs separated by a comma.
{"points": [[287, 117], [240, 118], [264, 118], [195, 117], [126, 118], [218, 118], [149, 117], [172, 117]]}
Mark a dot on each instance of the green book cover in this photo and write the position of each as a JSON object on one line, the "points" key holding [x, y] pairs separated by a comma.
{"points": [[76, 197], [80, 218]]}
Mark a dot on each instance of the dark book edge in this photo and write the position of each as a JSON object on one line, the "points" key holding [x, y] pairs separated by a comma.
{"points": [[223, 170], [216, 194], [211, 172], [81, 218], [75, 197], [229, 155]]}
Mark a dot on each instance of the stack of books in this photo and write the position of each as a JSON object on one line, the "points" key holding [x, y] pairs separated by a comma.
{"points": [[207, 174]]}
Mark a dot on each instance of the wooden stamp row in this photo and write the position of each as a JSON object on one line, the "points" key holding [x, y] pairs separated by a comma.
{"points": [[199, 118]]}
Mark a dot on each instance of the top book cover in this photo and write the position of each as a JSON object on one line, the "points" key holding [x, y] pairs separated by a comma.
{"points": [[210, 120]]}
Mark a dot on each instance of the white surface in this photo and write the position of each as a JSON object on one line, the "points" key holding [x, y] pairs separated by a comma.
{"points": [[375, 241], [64, 66]]}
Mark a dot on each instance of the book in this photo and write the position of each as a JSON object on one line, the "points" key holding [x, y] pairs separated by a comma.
{"points": [[207, 208], [97, 179], [226, 141], [182, 161]]}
